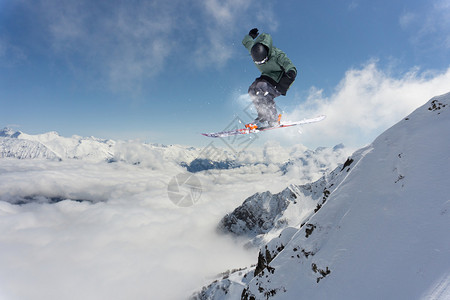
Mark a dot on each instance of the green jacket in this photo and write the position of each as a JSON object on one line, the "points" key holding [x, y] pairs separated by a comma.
{"points": [[278, 63]]}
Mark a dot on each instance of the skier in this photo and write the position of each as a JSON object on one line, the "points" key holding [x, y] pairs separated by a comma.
{"points": [[277, 74]]}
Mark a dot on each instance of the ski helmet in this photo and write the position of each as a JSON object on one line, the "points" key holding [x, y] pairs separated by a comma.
{"points": [[260, 53]]}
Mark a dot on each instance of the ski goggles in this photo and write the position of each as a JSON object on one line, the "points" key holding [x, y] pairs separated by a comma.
{"points": [[261, 62]]}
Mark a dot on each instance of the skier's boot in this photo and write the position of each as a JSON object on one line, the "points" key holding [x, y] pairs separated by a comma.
{"points": [[262, 124], [257, 123], [273, 122]]}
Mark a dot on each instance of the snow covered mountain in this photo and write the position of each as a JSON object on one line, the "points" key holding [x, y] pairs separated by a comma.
{"points": [[52, 146], [23, 149], [377, 227], [264, 215]]}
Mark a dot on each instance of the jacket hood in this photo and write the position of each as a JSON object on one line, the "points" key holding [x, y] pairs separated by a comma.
{"points": [[266, 40]]}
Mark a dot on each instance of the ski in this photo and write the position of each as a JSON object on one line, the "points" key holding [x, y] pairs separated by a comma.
{"points": [[253, 129]]}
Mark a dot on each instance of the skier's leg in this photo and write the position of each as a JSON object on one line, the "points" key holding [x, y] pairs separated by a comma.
{"points": [[263, 94], [255, 91], [270, 110]]}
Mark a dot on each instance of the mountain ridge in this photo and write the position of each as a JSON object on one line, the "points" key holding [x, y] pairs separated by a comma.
{"points": [[381, 233], [51, 145]]}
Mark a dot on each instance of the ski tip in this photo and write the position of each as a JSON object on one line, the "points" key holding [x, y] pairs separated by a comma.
{"points": [[213, 135], [320, 117]]}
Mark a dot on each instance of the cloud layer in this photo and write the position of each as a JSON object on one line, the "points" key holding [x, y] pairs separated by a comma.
{"points": [[367, 101], [129, 240], [137, 244]]}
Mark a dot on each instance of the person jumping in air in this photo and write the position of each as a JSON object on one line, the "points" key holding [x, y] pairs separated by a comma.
{"points": [[277, 74]]}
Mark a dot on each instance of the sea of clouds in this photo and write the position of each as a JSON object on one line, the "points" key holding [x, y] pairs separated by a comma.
{"points": [[99, 230]]}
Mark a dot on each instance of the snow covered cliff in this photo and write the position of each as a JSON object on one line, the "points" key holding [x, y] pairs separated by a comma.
{"points": [[375, 228], [264, 215]]}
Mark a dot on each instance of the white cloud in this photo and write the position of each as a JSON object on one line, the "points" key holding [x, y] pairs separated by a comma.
{"points": [[225, 21], [10, 54], [430, 27], [214, 52], [406, 19], [365, 103], [353, 6], [136, 244], [225, 12], [132, 241], [123, 44]]}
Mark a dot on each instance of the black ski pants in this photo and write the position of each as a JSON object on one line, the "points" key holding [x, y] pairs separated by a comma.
{"points": [[263, 94]]}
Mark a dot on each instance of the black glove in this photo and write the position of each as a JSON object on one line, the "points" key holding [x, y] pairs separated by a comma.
{"points": [[291, 74], [253, 33]]}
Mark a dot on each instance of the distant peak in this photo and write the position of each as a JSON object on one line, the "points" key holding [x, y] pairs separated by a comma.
{"points": [[338, 147], [51, 133], [9, 132]]}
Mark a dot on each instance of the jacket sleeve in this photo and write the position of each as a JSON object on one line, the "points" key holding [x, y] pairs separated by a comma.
{"points": [[248, 42], [285, 62]]}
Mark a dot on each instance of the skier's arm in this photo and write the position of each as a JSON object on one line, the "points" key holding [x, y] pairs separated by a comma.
{"points": [[248, 39], [286, 64], [248, 42], [290, 72]]}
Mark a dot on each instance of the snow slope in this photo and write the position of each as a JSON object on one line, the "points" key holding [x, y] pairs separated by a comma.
{"points": [[23, 149], [383, 231], [51, 145]]}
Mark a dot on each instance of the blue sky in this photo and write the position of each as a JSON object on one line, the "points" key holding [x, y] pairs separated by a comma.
{"points": [[165, 71]]}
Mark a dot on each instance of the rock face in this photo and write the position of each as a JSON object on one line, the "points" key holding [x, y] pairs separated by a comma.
{"points": [[378, 230], [264, 213], [259, 213]]}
